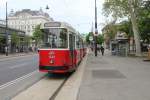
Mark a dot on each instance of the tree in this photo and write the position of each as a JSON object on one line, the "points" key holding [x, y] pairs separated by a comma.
{"points": [[14, 39], [87, 37], [100, 39], [27, 40], [37, 34], [144, 22], [125, 26], [133, 11], [128, 8], [1, 39], [111, 31]]}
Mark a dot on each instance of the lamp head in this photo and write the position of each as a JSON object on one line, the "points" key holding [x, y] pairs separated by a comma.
{"points": [[47, 7]]}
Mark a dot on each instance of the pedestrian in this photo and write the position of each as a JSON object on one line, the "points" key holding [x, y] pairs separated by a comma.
{"points": [[98, 47], [92, 48], [102, 50]]}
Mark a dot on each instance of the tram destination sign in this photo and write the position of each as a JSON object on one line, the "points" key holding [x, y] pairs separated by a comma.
{"points": [[52, 24]]}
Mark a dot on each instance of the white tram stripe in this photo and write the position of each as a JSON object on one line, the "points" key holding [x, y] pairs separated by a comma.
{"points": [[51, 49], [18, 66]]}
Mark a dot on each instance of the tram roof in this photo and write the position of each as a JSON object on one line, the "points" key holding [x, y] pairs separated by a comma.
{"points": [[56, 24]]}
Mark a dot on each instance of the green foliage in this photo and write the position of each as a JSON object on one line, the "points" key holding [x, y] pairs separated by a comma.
{"points": [[144, 21], [87, 37], [121, 8], [37, 34], [15, 39], [116, 8], [1, 39], [27, 39], [126, 27], [110, 30], [100, 39], [144, 26]]}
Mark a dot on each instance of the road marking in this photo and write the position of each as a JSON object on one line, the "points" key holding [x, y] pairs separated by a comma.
{"points": [[17, 66], [17, 80], [15, 57]]}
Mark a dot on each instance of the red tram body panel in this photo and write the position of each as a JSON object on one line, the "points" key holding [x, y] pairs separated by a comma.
{"points": [[55, 60]]}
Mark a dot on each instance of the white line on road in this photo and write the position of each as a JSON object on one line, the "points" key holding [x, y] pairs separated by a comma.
{"points": [[17, 80], [15, 57], [17, 66]]}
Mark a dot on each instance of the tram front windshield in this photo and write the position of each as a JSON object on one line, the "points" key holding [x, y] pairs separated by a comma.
{"points": [[55, 38]]}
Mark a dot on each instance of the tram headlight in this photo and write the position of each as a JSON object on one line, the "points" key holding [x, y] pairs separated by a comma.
{"points": [[51, 61]]}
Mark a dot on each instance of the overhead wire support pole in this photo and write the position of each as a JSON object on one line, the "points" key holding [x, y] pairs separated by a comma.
{"points": [[6, 46], [96, 30]]}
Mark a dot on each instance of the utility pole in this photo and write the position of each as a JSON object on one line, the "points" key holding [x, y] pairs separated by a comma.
{"points": [[6, 46], [96, 30]]}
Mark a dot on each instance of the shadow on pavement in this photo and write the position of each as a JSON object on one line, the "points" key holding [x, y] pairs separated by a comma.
{"points": [[58, 75]]}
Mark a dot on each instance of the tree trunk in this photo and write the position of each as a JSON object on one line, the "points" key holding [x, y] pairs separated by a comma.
{"points": [[135, 29]]}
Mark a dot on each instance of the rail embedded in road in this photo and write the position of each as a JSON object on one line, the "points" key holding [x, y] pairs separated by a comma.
{"points": [[43, 90]]}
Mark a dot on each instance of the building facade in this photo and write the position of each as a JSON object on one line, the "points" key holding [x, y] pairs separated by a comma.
{"points": [[2, 22], [21, 46], [26, 20]]}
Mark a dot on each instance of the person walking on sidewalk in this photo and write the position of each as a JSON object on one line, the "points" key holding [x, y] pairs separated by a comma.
{"points": [[98, 47], [102, 50]]}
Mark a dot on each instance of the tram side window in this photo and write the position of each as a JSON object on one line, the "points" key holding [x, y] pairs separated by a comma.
{"points": [[77, 42], [70, 42], [63, 39]]}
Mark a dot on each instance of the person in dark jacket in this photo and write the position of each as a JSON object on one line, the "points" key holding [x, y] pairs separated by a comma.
{"points": [[102, 50]]}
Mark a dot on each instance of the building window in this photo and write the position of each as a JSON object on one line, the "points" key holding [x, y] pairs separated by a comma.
{"points": [[32, 27], [28, 26]]}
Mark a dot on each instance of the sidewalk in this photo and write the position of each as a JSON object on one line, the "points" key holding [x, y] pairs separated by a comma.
{"points": [[3, 56], [115, 78]]}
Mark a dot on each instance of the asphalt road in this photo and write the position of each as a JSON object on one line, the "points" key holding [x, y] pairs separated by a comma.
{"points": [[11, 69]]}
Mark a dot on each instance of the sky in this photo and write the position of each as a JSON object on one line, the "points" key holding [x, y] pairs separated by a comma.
{"points": [[78, 13]]}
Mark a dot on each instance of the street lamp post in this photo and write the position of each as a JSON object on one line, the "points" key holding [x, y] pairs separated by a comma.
{"points": [[96, 30], [6, 45]]}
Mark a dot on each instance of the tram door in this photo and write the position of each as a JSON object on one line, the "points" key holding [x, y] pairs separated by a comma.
{"points": [[72, 48]]}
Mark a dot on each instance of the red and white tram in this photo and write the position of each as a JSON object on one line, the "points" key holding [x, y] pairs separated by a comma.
{"points": [[62, 48]]}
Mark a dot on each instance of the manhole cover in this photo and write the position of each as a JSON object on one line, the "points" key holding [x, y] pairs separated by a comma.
{"points": [[107, 74]]}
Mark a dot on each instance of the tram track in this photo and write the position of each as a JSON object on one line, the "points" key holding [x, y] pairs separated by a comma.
{"points": [[59, 88], [72, 81], [46, 89]]}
